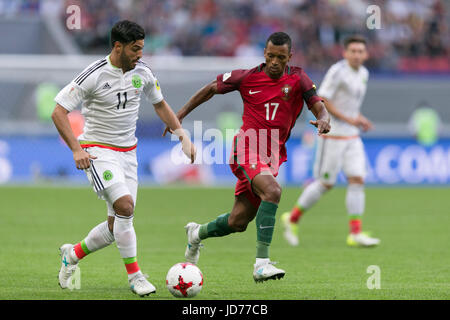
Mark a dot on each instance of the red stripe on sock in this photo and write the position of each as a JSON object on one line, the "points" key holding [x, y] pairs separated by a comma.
{"points": [[79, 251], [355, 225], [296, 214], [132, 267]]}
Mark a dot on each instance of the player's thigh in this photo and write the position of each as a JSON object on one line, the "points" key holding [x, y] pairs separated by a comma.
{"points": [[110, 180], [328, 160], [128, 161], [355, 159], [105, 170]]}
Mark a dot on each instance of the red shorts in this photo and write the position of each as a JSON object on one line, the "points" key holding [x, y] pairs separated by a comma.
{"points": [[245, 172]]}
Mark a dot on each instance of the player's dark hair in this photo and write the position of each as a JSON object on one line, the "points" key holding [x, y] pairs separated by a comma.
{"points": [[126, 31], [279, 39], [356, 38]]}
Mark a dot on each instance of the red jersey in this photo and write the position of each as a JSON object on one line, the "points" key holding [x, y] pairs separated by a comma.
{"points": [[271, 106]]}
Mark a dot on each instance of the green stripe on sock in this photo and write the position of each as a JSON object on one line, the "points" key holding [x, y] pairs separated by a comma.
{"points": [[84, 247], [129, 260], [262, 250], [354, 217]]}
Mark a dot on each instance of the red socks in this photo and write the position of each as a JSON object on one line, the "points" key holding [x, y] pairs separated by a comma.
{"points": [[355, 225], [296, 214]]}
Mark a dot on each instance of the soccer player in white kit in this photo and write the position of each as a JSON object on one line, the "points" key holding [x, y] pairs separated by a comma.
{"points": [[110, 91], [343, 90]]}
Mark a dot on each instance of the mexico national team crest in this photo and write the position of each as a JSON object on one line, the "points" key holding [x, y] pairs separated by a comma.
{"points": [[136, 81], [107, 175], [286, 90]]}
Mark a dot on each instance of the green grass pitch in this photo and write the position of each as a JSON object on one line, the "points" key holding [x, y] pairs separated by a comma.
{"points": [[412, 223]]}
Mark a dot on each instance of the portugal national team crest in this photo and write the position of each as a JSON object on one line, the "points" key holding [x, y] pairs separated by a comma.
{"points": [[286, 92]]}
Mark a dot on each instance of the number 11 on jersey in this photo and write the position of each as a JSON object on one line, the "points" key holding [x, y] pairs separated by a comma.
{"points": [[274, 112], [118, 98]]}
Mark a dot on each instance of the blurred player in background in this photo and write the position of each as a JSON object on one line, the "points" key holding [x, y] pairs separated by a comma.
{"points": [[343, 90], [273, 94], [110, 90]]}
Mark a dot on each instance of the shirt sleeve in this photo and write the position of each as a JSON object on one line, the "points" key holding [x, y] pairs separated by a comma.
{"points": [[330, 83], [71, 96], [152, 90], [230, 81], [309, 90]]}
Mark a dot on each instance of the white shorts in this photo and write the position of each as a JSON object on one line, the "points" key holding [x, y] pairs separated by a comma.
{"points": [[336, 154], [113, 175]]}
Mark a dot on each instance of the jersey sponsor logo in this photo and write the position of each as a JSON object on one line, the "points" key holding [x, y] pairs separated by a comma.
{"points": [[226, 76], [106, 86], [286, 90], [253, 92], [136, 81]]}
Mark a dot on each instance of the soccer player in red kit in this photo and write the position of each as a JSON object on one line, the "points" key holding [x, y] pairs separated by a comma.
{"points": [[273, 95]]}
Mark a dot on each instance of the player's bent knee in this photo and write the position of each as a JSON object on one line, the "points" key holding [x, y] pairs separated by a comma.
{"points": [[120, 197], [355, 180], [272, 193], [124, 206], [327, 186]]}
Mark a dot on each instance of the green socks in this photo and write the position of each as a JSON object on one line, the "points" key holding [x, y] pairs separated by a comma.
{"points": [[216, 228], [265, 223]]}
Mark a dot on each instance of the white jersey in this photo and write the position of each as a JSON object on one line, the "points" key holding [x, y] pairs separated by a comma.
{"points": [[110, 100], [346, 88]]}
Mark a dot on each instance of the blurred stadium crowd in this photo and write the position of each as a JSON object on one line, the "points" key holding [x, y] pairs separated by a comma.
{"points": [[414, 34]]}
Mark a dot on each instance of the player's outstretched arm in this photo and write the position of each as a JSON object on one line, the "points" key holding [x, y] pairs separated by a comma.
{"points": [[166, 114], [360, 121], [323, 118], [201, 96], [61, 121]]}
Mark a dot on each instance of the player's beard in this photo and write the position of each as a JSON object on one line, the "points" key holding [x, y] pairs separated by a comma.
{"points": [[275, 73], [126, 62]]}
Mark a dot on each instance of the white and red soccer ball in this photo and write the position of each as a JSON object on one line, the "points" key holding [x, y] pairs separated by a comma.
{"points": [[184, 280]]}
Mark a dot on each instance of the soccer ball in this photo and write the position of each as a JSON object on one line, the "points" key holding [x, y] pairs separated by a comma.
{"points": [[184, 280]]}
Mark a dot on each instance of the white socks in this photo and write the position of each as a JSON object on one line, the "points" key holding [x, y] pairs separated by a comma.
{"points": [[125, 236], [311, 195], [355, 199], [98, 238]]}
